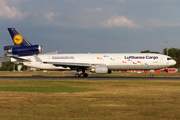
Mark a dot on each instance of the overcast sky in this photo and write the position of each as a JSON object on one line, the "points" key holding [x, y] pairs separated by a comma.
{"points": [[96, 26]]}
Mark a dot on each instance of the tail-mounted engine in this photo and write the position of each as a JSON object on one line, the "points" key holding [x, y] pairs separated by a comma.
{"points": [[23, 50]]}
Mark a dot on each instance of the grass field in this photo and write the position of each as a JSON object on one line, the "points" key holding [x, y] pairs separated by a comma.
{"points": [[89, 99]]}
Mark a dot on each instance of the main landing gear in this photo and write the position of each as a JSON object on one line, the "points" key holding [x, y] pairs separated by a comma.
{"points": [[83, 74]]}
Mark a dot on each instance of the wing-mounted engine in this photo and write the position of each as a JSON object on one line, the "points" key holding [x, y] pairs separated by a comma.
{"points": [[100, 69], [23, 50]]}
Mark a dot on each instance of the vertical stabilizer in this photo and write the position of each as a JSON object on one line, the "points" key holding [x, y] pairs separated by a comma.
{"points": [[17, 38]]}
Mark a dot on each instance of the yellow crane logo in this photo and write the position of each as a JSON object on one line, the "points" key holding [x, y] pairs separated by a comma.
{"points": [[18, 39]]}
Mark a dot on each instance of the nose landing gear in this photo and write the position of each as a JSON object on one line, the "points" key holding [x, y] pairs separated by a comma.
{"points": [[151, 75]]}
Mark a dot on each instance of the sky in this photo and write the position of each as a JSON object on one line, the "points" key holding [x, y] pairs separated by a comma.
{"points": [[95, 26]]}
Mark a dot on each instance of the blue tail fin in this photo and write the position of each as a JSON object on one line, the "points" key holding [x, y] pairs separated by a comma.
{"points": [[22, 47], [17, 38]]}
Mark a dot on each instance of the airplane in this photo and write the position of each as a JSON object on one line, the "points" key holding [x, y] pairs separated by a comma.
{"points": [[23, 52]]}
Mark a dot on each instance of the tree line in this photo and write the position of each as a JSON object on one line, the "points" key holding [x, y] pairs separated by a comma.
{"points": [[172, 52], [9, 66]]}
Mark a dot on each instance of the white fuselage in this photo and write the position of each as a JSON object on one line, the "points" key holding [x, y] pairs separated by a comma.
{"points": [[121, 61]]}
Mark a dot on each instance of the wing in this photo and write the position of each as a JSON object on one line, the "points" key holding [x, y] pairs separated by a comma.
{"points": [[67, 64]]}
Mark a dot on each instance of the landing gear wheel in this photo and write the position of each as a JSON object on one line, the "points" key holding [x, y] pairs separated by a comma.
{"points": [[77, 75], [85, 75], [151, 75], [81, 75]]}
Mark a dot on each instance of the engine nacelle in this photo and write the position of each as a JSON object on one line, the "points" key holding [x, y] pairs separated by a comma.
{"points": [[100, 69], [25, 50]]}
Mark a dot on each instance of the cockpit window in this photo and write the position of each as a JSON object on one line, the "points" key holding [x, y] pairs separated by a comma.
{"points": [[169, 58]]}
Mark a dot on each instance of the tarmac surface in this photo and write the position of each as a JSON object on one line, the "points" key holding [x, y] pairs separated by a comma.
{"points": [[90, 77]]}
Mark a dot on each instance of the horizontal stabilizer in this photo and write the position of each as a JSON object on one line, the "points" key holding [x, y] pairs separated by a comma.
{"points": [[19, 59]]}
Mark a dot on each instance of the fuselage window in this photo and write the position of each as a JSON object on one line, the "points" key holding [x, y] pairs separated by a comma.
{"points": [[169, 58]]}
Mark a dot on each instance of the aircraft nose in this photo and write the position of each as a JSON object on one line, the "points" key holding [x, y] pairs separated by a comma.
{"points": [[173, 62]]}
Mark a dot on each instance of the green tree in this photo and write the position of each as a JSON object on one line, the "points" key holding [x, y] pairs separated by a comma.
{"points": [[24, 68], [177, 62], [173, 52], [8, 66], [148, 51]]}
